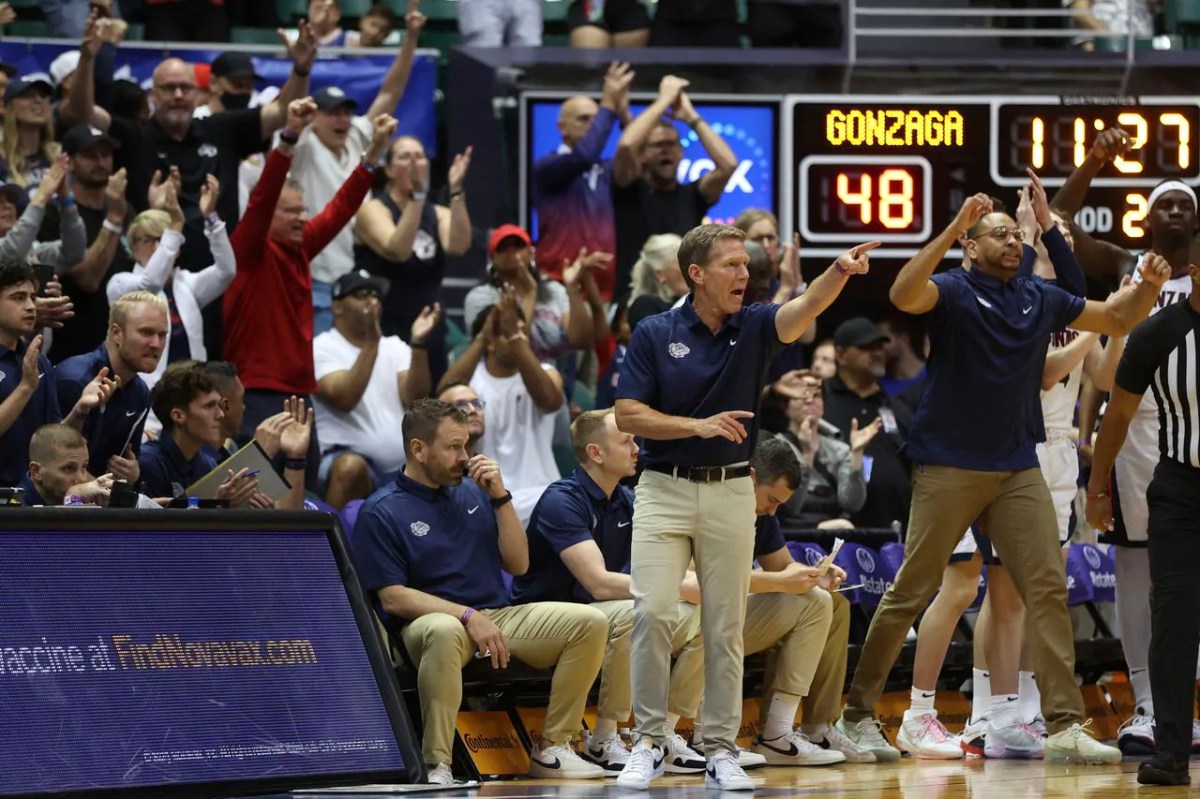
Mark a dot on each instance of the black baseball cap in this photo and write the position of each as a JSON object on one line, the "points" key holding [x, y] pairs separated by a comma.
{"points": [[26, 82], [80, 137], [858, 332], [359, 279], [331, 98], [233, 65]]}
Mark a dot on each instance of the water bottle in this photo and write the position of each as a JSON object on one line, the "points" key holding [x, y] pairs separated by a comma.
{"points": [[193, 503]]}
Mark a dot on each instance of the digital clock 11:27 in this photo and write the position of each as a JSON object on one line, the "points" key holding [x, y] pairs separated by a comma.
{"points": [[898, 168]]}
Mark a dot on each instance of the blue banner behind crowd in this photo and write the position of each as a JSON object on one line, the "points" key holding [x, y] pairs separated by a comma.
{"points": [[359, 76]]}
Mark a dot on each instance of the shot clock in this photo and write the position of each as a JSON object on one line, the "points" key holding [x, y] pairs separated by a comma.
{"points": [[897, 168]]}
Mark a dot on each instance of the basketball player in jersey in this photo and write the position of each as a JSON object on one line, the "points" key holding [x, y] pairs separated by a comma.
{"points": [[1172, 223]]}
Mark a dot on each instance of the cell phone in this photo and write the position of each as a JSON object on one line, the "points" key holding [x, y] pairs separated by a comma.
{"points": [[45, 274], [122, 495]]}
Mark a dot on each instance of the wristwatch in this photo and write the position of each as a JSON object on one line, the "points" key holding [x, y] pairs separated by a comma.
{"points": [[500, 502]]}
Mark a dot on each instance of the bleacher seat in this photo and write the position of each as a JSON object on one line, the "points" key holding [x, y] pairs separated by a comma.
{"points": [[583, 396], [349, 515], [241, 35], [33, 28], [555, 10], [354, 8], [435, 10], [288, 11]]}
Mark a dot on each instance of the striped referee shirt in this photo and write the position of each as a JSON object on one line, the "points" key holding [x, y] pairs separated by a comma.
{"points": [[1163, 355]]}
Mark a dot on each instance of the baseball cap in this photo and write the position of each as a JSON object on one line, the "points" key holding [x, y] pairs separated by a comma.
{"points": [[8, 69], [64, 65], [16, 195], [27, 82], [508, 232], [858, 332], [80, 137], [359, 279], [332, 97], [233, 65]]}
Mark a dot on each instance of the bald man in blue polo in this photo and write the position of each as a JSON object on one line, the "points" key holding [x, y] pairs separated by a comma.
{"points": [[690, 387]]}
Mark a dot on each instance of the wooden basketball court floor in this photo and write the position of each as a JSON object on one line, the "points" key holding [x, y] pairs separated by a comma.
{"points": [[909, 779]]}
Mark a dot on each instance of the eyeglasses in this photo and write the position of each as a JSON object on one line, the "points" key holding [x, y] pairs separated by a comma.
{"points": [[1002, 234], [468, 404]]}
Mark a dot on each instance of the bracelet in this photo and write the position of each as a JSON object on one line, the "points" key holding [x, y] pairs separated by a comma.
{"points": [[500, 502], [466, 616], [695, 122], [66, 202], [111, 227], [301, 73], [516, 336], [289, 137], [454, 195], [420, 196], [295, 464], [212, 220], [1101, 495], [418, 345]]}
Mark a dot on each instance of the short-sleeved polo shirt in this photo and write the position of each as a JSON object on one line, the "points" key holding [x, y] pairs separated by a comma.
{"points": [[988, 343], [31, 498], [108, 427], [42, 408], [571, 511], [166, 472], [677, 366], [768, 536], [443, 542]]}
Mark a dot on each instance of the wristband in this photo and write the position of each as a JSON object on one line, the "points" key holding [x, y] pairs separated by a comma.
{"points": [[295, 464], [289, 137], [420, 196], [212, 220], [695, 122], [111, 227], [466, 616], [454, 195], [66, 202], [418, 345], [301, 73], [500, 502]]}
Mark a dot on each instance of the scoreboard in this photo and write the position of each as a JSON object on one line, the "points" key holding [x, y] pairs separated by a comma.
{"points": [[897, 168]]}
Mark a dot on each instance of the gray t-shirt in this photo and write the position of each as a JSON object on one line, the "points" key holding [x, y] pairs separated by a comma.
{"points": [[547, 335]]}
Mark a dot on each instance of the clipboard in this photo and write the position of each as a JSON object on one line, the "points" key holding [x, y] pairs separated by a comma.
{"points": [[251, 457]]}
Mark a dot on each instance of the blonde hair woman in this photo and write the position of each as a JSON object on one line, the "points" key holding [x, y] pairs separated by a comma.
{"points": [[155, 238], [28, 148], [656, 281]]}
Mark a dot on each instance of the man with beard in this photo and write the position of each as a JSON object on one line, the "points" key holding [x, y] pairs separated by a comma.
{"points": [[198, 147], [100, 196], [647, 195], [137, 335]]}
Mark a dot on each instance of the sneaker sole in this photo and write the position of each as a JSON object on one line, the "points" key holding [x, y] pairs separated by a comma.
{"points": [[888, 755], [912, 751], [1153, 776], [609, 768], [1065, 757], [543, 773], [1014, 754], [672, 769], [714, 785]]}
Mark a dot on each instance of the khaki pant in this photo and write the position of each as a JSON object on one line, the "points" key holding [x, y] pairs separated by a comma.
{"points": [[792, 629], [674, 522], [687, 647], [566, 636], [1016, 510], [823, 702]]}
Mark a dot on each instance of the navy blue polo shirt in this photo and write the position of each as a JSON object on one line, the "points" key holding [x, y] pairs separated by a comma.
{"points": [[571, 511], [444, 542], [768, 537], [165, 470], [42, 408], [31, 497], [988, 343], [108, 427], [678, 367]]}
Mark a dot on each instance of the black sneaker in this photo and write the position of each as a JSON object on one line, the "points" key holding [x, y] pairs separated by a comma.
{"points": [[1165, 768]]}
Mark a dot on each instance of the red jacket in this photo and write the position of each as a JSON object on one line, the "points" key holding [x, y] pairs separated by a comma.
{"points": [[268, 307]]}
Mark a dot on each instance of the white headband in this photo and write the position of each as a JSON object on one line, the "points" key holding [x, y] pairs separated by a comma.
{"points": [[1171, 185]]}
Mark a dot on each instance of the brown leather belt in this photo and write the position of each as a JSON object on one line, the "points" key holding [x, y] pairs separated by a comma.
{"points": [[702, 474]]}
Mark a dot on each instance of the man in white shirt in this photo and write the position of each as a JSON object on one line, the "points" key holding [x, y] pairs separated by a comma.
{"points": [[522, 396], [365, 381], [330, 149]]}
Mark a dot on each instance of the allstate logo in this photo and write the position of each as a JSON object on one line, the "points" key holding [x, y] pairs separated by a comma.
{"points": [[866, 561], [812, 556], [1092, 557]]}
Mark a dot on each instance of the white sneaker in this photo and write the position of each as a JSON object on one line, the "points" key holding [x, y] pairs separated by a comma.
{"points": [[794, 749], [867, 736], [609, 753], [562, 763], [645, 764], [724, 774], [973, 738], [834, 740], [1136, 735], [1076, 745], [681, 758], [1014, 739], [440, 775], [926, 738], [748, 759], [1038, 723]]}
